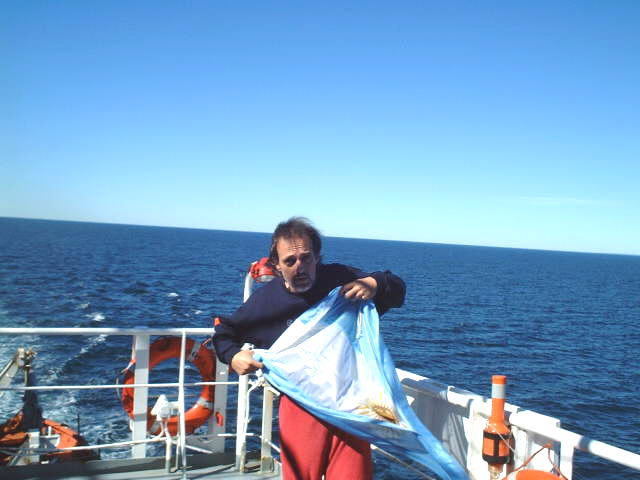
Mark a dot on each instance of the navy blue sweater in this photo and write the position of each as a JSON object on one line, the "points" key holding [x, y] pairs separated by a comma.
{"points": [[272, 308]]}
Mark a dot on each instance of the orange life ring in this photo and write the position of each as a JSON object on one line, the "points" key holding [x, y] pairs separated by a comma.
{"points": [[202, 357], [533, 475]]}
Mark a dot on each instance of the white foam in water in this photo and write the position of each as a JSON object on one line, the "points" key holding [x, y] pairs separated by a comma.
{"points": [[112, 427], [96, 316], [173, 294], [93, 341], [83, 306], [60, 406]]}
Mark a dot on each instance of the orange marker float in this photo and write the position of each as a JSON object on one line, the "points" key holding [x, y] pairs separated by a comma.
{"points": [[497, 443], [497, 434]]}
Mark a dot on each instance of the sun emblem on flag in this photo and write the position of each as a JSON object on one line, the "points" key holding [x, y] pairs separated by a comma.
{"points": [[378, 406]]}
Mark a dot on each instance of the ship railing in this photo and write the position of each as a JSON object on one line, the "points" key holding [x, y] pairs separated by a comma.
{"points": [[212, 441], [458, 417]]}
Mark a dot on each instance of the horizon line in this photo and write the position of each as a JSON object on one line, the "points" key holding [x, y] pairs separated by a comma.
{"points": [[325, 236]]}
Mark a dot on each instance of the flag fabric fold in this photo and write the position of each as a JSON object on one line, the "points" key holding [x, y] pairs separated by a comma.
{"points": [[333, 362]]}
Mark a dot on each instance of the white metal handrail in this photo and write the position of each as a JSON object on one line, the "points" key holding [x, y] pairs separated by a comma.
{"points": [[141, 346], [104, 331], [114, 385], [525, 420], [576, 441]]}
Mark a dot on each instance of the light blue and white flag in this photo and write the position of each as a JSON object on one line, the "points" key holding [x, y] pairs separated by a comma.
{"points": [[333, 362]]}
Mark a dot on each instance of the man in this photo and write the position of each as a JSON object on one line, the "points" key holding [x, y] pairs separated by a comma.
{"points": [[310, 447]]}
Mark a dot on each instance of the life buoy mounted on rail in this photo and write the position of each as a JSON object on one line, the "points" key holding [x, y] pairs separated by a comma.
{"points": [[498, 443], [534, 475], [202, 357]]}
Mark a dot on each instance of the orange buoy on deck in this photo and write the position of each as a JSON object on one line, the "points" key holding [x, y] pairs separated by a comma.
{"points": [[532, 475], [496, 443], [521, 474], [261, 271]]}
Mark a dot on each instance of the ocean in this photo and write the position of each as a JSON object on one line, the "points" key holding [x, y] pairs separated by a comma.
{"points": [[564, 327]]}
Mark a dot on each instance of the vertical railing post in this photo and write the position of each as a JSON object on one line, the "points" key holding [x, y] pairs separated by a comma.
{"points": [[182, 441], [266, 460], [139, 430], [566, 459], [243, 414], [218, 421], [241, 426], [34, 444]]}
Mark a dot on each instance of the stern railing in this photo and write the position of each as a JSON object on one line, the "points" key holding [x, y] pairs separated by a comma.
{"points": [[211, 442], [458, 417]]}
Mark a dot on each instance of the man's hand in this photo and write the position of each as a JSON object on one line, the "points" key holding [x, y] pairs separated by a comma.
{"points": [[243, 362], [360, 289]]}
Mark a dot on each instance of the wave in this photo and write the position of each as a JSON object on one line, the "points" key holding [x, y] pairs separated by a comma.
{"points": [[137, 288], [93, 342], [96, 316]]}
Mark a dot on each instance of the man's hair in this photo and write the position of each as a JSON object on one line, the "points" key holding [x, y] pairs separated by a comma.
{"points": [[294, 227]]}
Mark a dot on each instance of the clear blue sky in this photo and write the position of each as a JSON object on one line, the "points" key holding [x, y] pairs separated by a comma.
{"points": [[500, 123]]}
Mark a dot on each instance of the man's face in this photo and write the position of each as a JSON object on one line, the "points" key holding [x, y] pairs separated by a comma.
{"points": [[297, 263]]}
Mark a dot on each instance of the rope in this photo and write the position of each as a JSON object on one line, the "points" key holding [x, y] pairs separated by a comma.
{"points": [[13, 451], [404, 464], [258, 383], [548, 447]]}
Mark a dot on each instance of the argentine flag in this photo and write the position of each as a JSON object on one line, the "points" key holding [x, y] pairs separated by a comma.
{"points": [[333, 362]]}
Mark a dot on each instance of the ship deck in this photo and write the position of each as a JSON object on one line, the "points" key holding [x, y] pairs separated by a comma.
{"points": [[218, 466]]}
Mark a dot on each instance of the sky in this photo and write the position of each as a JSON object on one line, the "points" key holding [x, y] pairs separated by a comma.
{"points": [[498, 123]]}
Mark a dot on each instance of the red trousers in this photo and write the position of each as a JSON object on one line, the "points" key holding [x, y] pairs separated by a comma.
{"points": [[311, 448]]}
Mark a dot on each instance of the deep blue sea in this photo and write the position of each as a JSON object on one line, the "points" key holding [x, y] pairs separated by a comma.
{"points": [[564, 327]]}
